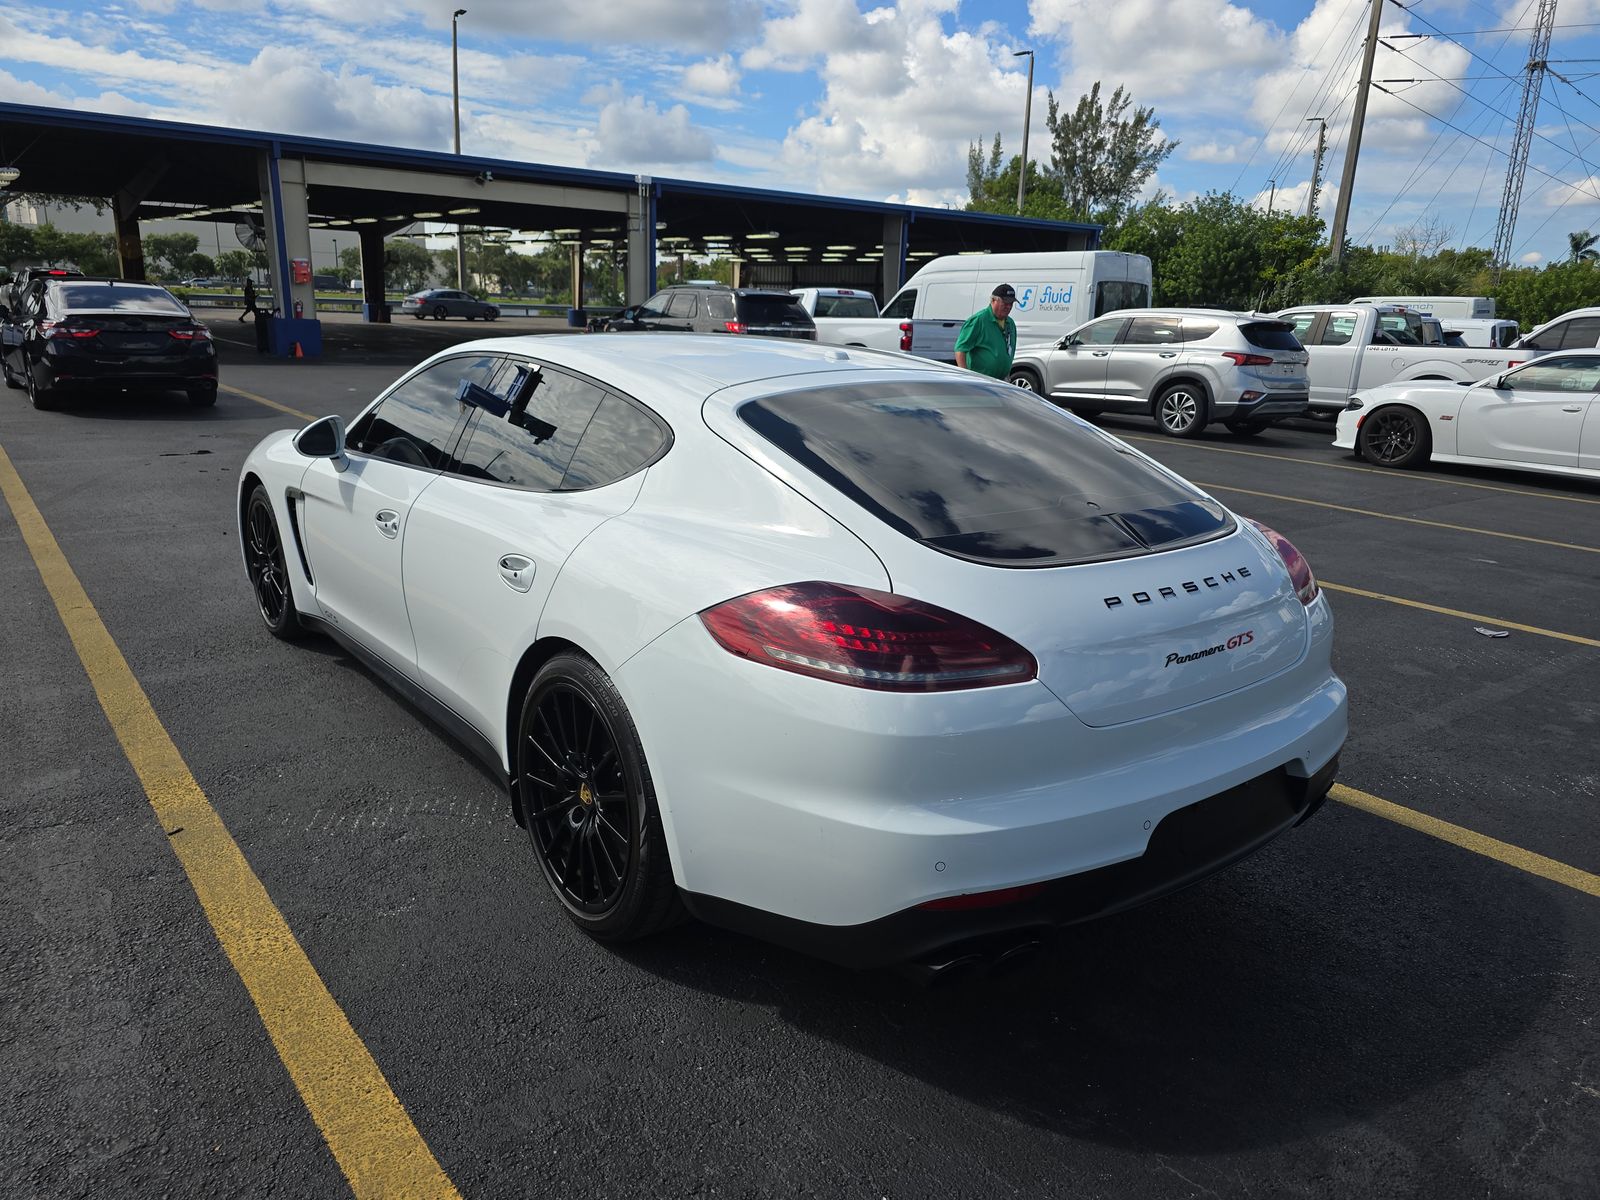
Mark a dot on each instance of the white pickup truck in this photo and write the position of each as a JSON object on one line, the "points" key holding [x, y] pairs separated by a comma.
{"points": [[849, 317], [1358, 346]]}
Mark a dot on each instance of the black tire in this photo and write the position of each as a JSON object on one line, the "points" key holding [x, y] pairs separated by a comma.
{"points": [[419, 315], [1028, 380], [41, 398], [5, 369], [491, 314], [1182, 410], [1246, 428], [590, 806], [1395, 437], [440, 312], [266, 569], [203, 395]]}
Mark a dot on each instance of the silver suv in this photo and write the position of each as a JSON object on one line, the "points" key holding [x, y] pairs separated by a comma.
{"points": [[1184, 367]]}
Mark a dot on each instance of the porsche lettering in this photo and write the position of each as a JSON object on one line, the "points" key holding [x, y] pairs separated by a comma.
{"points": [[1188, 587]]}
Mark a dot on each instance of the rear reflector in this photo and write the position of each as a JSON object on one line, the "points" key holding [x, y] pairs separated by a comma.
{"points": [[1305, 583], [992, 899], [866, 638], [905, 336]]}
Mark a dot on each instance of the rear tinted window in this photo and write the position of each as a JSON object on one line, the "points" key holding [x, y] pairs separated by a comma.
{"points": [[773, 310], [105, 297], [1114, 294], [984, 472], [1271, 335]]}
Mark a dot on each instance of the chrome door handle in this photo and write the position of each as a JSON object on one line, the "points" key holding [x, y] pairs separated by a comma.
{"points": [[388, 523], [517, 572], [1169, 354], [1573, 408], [1099, 353]]}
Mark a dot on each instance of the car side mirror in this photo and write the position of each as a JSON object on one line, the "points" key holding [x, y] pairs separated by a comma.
{"points": [[324, 439]]}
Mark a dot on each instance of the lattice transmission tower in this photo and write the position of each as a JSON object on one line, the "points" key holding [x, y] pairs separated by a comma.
{"points": [[1533, 83]]}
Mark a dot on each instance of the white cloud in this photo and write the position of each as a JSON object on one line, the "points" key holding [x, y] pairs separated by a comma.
{"points": [[703, 25], [1532, 258], [712, 83], [1213, 152], [635, 133]]}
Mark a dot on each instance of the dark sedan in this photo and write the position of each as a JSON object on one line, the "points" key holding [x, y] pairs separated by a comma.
{"points": [[75, 335]]}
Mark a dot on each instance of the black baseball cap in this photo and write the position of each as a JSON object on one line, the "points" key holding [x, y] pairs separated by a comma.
{"points": [[1005, 291]]}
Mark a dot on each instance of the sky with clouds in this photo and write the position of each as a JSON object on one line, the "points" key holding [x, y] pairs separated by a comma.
{"points": [[873, 100]]}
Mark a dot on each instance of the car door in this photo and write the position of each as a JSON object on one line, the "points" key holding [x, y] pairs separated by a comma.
{"points": [[487, 541], [680, 314], [1077, 370], [1589, 439], [355, 520], [1332, 366], [1147, 350], [1537, 415]]}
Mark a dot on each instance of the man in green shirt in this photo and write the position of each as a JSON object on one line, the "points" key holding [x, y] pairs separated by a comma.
{"points": [[988, 339]]}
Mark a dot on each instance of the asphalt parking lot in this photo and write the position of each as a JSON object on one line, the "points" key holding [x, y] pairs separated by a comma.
{"points": [[1397, 999]]}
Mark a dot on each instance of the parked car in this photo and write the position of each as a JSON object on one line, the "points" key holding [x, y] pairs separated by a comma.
{"points": [[1543, 416], [26, 275], [868, 656], [1578, 329], [76, 335], [1184, 367], [715, 308], [1358, 346], [440, 303], [849, 317]]}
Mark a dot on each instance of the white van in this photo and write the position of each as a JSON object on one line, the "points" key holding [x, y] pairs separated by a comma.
{"points": [[1056, 291], [1478, 307]]}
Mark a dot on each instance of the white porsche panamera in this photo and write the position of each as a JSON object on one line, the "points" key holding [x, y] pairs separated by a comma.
{"points": [[869, 656], [1541, 416]]}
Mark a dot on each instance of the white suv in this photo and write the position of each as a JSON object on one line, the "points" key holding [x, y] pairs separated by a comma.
{"points": [[1184, 367]]}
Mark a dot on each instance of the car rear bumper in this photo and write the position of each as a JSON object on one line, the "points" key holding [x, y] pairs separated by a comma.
{"points": [[1276, 405], [89, 371]]}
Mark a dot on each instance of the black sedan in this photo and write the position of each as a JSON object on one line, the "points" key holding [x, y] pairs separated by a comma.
{"points": [[75, 335]]}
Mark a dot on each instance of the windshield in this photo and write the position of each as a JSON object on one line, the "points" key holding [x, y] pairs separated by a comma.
{"points": [[985, 472], [846, 306], [106, 297]]}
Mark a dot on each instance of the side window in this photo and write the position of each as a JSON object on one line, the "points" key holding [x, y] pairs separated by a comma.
{"points": [[1302, 323], [719, 306], [620, 439], [951, 301], [1114, 294], [681, 305], [1153, 331], [499, 451], [1197, 330], [1557, 374], [1340, 329], [416, 423], [1101, 333], [900, 307], [1581, 334], [656, 306]]}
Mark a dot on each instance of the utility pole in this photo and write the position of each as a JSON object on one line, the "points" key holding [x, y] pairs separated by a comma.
{"points": [[1316, 165], [1532, 84], [1027, 120], [1272, 195], [1341, 211]]}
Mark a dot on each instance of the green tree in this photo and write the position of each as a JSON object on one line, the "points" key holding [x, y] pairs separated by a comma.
{"points": [[170, 255], [993, 188], [1582, 246], [1101, 155], [91, 253], [233, 265], [407, 267], [1532, 296]]}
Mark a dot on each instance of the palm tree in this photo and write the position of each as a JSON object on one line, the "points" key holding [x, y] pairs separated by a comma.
{"points": [[1582, 246]]}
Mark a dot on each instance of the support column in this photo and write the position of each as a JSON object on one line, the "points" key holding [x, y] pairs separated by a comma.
{"points": [[288, 235], [124, 210], [641, 283], [895, 230], [373, 286], [577, 277]]}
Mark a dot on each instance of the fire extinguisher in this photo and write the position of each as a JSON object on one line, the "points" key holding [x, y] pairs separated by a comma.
{"points": [[299, 309]]}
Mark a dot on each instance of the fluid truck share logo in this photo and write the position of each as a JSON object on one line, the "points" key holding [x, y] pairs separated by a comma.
{"points": [[1049, 298]]}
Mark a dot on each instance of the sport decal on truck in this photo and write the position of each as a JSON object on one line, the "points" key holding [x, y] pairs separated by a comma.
{"points": [[1233, 643], [1049, 298]]}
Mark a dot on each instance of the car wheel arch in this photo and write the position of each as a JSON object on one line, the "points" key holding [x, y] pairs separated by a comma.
{"points": [[533, 658], [1167, 382]]}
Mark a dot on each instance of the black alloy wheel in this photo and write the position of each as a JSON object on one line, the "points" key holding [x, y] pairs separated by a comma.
{"points": [[589, 805], [1394, 437], [5, 369], [39, 397], [491, 314], [269, 579], [440, 312]]}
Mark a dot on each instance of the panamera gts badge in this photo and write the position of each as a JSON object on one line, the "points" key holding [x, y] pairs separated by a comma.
{"points": [[1188, 587], [1233, 643]]}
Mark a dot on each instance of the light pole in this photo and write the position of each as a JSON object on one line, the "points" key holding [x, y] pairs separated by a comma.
{"points": [[455, 96], [1272, 195], [1027, 119]]}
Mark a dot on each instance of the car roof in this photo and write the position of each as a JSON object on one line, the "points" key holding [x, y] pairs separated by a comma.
{"points": [[675, 372], [1209, 313]]}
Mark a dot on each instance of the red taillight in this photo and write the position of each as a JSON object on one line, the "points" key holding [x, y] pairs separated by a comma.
{"points": [[905, 336], [734, 326], [866, 638], [55, 329], [1248, 360], [1305, 583], [992, 899], [199, 334]]}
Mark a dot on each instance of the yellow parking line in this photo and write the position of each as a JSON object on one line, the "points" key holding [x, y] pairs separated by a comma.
{"points": [[283, 408], [1504, 852], [1478, 618], [366, 1127], [1368, 512], [1387, 472]]}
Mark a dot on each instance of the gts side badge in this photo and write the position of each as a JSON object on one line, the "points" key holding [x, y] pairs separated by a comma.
{"points": [[1233, 643], [1188, 587]]}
